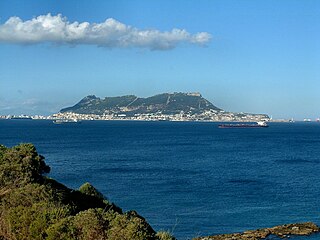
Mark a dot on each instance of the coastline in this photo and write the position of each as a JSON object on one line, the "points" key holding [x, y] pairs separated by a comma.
{"points": [[281, 231]]}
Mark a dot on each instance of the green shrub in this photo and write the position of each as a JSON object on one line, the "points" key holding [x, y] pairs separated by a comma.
{"points": [[162, 235], [21, 165], [33, 221], [62, 230], [90, 190], [91, 225], [129, 226]]}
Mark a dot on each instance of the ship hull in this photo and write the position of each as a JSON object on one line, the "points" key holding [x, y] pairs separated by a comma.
{"points": [[242, 126], [21, 118], [66, 122]]}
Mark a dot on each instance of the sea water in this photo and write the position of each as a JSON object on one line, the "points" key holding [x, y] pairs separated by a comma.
{"points": [[190, 178]]}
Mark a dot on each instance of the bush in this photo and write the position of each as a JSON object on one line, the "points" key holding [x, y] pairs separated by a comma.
{"points": [[90, 190], [91, 225], [128, 227], [162, 235], [62, 230], [21, 165]]}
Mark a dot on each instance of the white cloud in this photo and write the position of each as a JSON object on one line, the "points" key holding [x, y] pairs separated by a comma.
{"points": [[110, 34]]}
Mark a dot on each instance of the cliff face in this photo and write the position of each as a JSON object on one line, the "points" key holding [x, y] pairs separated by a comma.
{"points": [[166, 103]]}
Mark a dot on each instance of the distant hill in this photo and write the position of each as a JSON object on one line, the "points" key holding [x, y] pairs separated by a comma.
{"points": [[166, 103]]}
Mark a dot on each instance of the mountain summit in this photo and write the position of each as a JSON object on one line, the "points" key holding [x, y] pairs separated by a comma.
{"points": [[166, 103]]}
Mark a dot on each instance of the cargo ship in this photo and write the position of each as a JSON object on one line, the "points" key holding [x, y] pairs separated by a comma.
{"points": [[244, 125], [62, 121], [21, 117]]}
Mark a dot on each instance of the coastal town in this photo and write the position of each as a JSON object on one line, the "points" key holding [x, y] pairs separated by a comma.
{"points": [[208, 116]]}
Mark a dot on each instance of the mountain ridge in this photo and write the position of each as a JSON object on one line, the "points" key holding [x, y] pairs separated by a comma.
{"points": [[166, 103]]}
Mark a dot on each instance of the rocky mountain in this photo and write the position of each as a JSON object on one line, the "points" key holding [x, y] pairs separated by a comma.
{"points": [[166, 103]]}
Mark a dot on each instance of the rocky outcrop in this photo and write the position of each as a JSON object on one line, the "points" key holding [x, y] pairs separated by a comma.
{"points": [[282, 231]]}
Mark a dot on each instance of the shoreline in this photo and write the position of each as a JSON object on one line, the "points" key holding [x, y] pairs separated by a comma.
{"points": [[151, 120], [281, 231]]}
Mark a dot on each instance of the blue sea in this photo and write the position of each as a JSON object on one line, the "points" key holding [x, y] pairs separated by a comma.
{"points": [[190, 178]]}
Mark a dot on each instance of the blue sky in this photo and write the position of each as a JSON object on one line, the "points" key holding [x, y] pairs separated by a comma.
{"points": [[253, 56]]}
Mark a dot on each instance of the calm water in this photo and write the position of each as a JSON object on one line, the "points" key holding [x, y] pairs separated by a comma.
{"points": [[190, 178]]}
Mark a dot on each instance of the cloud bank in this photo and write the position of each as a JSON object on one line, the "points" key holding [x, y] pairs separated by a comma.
{"points": [[110, 34], [29, 106]]}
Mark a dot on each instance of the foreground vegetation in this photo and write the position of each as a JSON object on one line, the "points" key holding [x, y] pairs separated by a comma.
{"points": [[33, 206]]}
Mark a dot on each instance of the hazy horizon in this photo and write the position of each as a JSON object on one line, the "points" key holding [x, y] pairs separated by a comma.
{"points": [[243, 56]]}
